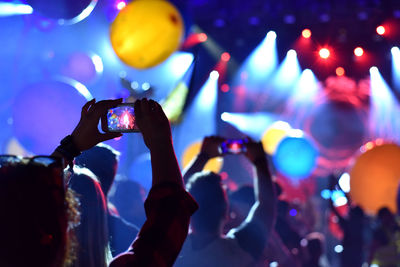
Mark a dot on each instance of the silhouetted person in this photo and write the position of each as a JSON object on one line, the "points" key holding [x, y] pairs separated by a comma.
{"points": [[353, 228], [242, 246], [128, 197], [384, 249], [92, 232], [102, 160], [313, 245]]}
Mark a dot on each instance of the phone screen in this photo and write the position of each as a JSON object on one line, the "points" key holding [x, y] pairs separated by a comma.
{"points": [[233, 146], [122, 119]]}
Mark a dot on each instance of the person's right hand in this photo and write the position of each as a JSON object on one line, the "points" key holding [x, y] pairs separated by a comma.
{"points": [[255, 150], [152, 123], [211, 145]]}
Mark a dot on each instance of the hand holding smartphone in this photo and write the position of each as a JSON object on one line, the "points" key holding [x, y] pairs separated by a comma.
{"points": [[233, 146], [122, 119]]}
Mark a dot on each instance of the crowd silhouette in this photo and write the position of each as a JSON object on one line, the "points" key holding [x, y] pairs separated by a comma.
{"points": [[66, 209]]}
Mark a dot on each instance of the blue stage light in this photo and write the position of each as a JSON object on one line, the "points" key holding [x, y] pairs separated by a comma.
{"points": [[200, 117], [384, 110], [396, 67]]}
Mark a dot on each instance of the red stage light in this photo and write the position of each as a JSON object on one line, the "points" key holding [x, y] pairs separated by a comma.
{"points": [[202, 37], [380, 30], [225, 56], [340, 71], [324, 53], [358, 52], [306, 33], [225, 88]]}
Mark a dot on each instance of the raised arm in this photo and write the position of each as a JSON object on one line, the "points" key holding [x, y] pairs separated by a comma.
{"points": [[209, 150], [168, 206], [86, 134], [264, 209], [254, 232]]}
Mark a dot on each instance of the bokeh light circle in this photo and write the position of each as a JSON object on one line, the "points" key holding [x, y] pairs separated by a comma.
{"points": [[193, 150], [375, 177], [146, 32], [295, 157]]}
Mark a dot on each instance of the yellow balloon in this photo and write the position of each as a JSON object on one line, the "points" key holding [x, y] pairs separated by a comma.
{"points": [[193, 150], [375, 177], [146, 32], [273, 135]]}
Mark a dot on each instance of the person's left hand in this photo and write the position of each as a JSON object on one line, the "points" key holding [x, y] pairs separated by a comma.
{"points": [[86, 134]]}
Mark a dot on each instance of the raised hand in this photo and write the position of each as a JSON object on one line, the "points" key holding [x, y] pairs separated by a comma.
{"points": [[254, 150], [86, 134], [153, 123], [211, 145]]}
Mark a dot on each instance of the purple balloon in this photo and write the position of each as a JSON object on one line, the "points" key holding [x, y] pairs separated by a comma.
{"points": [[59, 9], [44, 113]]}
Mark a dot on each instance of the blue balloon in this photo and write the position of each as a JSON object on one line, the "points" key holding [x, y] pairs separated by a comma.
{"points": [[140, 171], [295, 157]]}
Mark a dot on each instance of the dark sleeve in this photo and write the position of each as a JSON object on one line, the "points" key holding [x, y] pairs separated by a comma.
{"points": [[121, 234], [168, 210], [251, 237]]}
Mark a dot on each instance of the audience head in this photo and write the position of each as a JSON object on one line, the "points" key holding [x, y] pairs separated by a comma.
{"points": [[313, 244], [386, 217], [356, 213], [35, 211], [207, 189], [128, 198], [102, 160], [92, 235]]}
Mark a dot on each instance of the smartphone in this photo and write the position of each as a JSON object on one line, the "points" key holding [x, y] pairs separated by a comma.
{"points": [[122, 119], [233, 146]]}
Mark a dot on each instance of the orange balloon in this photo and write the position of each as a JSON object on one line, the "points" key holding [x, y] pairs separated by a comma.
{"points": [[375, 177], [193, 150]]}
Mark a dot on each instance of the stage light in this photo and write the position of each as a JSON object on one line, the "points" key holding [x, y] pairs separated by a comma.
{"points": [[288, 72], [344, 182], [9, 9], [358, 51], [396, 67], [98, 63], [304, 94], [225, 88], [121, 5], [340, 71], [214, 75], [202, 37], [380, 30], [260, 64], [199, 118], [324, 53], [306, 33], [225, 56], [339, 249], [383, 121]]}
